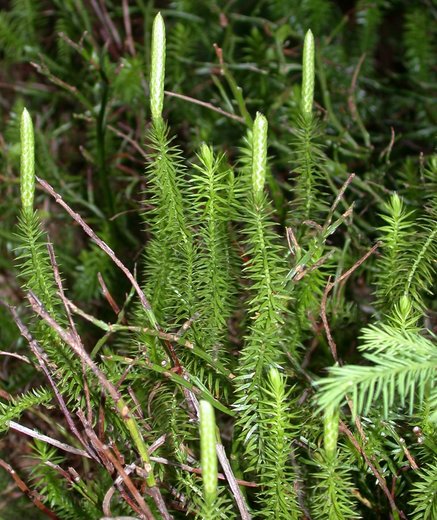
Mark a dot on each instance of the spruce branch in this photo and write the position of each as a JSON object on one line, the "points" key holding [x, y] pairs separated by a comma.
{"points": [[403, 363]]}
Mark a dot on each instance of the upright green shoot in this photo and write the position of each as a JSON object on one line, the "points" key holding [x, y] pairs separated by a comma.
{"points": [[278, 427], [307, 157], [169, 286], [265, 270]]}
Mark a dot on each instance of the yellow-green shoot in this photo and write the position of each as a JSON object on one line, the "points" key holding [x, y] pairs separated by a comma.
{"points": [[27, 176], [157, 68]]}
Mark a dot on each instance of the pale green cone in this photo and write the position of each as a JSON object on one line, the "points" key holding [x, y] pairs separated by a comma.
{"points": [[331, 432], [208, 457], [308, 74], [275, 377], [259, 154], [157, 68], [27, 176]]}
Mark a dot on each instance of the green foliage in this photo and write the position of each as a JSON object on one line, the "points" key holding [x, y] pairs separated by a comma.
{"points": [[18, 29], [424, 494], [307, 155], [211, 186], [36, 270], [408, 263], [249, 247], [208, 460], [332, 494], [266, 307], [419, 51], [13, 409], [403, 366], [396, 242], [278, 426], [171, 246], [81, 504]]}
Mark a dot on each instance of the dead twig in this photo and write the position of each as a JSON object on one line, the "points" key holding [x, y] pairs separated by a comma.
{"points": [[301, 273], [104, 247], [351, 97], [293, 245], [25, 489], [107, 23], [17, 356], [44, 363], [352, 103], [114, 327], [129, 140], [106, 453], [107, 294], [337, 201], [387, 150], [61, 292], [330, 285], [333, 348], [129, 42], [45, 438], [198, 471], [158, 443], [106, 503], [120, 405], [233, 484], [381, 480], [186, 325], [205, 104]]}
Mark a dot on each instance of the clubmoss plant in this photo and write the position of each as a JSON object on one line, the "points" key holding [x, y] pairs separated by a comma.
{"points": [[278, 428], [35, 266], [267, 305], [276, 358]]}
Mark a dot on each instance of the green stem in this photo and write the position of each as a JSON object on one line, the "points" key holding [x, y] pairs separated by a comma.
{"points": [[237, 93], [198, 389]]}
